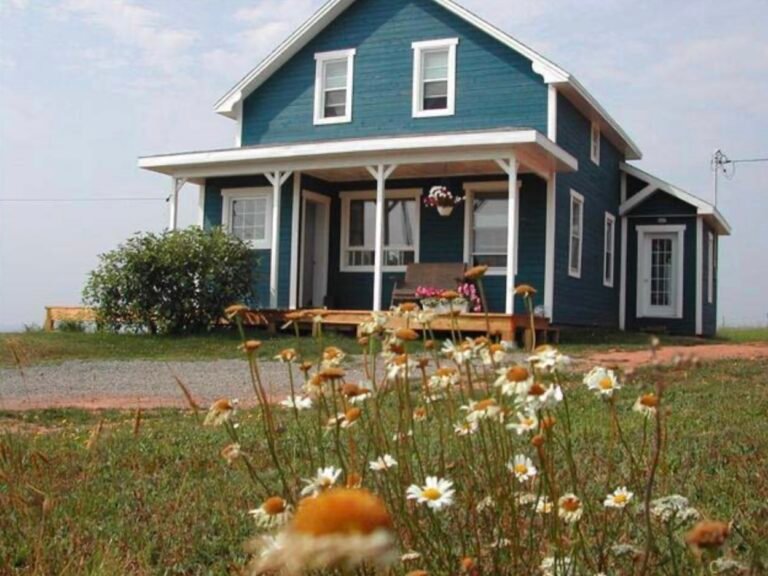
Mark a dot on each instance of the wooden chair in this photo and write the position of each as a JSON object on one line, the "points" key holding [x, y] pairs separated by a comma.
{"points": [[443, 275]]}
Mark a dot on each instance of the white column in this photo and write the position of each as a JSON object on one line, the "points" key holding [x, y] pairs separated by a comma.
{"points": [[623, 289], [294, 297], [510, 167], [380, 173], [201, 205], [173, 203], [277, 179], [549, 256]]}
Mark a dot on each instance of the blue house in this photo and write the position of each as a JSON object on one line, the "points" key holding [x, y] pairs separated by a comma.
{"points": [[345, 127]]}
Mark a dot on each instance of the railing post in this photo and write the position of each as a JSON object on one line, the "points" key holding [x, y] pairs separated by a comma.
{"points": [[380, 172]]}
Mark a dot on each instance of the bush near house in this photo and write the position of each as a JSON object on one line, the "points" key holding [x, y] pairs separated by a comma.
{"points": [[174, 282]]}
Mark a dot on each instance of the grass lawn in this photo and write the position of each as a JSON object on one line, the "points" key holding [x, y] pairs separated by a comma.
{"points": [[163, 501], [49, 347]]}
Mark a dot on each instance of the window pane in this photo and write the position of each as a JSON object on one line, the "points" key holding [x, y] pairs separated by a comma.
{"points": [[492, 260], [575, 262], [435, 65], [399, 220], [489, 234], [436, 89], [335, 103], [249, 218], [362, 222], [336, 74]]}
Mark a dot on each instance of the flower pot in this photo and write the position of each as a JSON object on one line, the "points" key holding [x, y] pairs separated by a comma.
{"points": [[444, 210]]}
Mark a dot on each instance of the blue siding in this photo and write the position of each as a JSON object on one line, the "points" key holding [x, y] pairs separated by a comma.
{"points": [[212, 217], [585, 301], [709, 311], [662, 204], [495, 86]]}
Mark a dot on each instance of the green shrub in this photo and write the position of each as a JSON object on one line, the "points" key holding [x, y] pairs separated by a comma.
{"points": [[175, 282]]}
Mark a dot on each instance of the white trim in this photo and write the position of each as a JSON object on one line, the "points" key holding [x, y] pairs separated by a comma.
{"points": [[471, 189], [295, 219], [641, 304], [711, 240], [623, 262], [699, 275], [357, 152], [325, 249], [594, 142], [608, 282], [703, 208], [321, 59], [201, 205], [346, 196], [419, 49], [239, 128], [575, 272], [230, 194], [327, 13], [552, 112], [510, 167], [549, 250]]}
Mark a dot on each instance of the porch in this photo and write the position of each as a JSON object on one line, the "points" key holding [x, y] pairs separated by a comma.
{"points": [[339, 221]]}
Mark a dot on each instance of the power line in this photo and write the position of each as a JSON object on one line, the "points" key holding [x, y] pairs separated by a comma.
{"points": [[85, 199]]}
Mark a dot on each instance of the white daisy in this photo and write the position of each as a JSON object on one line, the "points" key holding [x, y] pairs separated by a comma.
{"points": [[514, 381], [548, 359], [481, 410], [298, 402], [382, 463], [522, 467], [569, 508], [646, 404], [401, 365], [539, 398], [274, 512], [436, 492], [543, 505], [619, 498], [602, 381], [466, 428], [459, 353], [324, 479], [526, 422]]}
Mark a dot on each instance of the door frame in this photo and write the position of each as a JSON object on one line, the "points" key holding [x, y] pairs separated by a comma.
{"points": [[307, 195], [643, 233]]}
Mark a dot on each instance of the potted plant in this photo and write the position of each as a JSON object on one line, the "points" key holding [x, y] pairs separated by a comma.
{"points": [[443, 199], [432, 299]]}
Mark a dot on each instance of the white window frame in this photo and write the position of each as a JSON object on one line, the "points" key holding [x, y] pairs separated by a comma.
{"points": [[710, 268], [419, 49], [609, 249], [472, 189], [229, 195], [594, 142], [321, 59], [641, 307], [346, 197], [578, 200]]}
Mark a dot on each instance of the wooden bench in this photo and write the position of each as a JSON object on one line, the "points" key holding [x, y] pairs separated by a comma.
{"points": [[442, 275], [55, 314]]}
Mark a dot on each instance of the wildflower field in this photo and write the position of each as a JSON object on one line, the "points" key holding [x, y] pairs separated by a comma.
{"points": [[462, 456]]}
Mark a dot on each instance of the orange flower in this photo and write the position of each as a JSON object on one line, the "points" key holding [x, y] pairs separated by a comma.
{"points": [[429, 345], [274, 505], [708, 534], [250, 345], [450, 294], [517, 374], [341, 511], [525, 290], [406, 334], [235, 310], [409, 307], [476, 272], [332, 373]]}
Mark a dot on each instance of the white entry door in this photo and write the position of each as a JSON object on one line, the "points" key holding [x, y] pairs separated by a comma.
{"points": [[660, 278], [313, 265]]}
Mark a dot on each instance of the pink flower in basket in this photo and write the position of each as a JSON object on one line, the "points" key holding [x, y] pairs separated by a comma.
{"points": [[469, 291], [441, 196]]}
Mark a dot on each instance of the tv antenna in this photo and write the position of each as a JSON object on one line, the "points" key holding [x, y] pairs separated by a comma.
{"points": [[721, 163]]}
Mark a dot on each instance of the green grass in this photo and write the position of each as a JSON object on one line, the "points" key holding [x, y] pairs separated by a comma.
{"points": [[164, 502], [743, 334]]}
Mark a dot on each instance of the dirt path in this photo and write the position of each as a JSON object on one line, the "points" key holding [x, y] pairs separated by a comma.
{"points": [[703, 352]]}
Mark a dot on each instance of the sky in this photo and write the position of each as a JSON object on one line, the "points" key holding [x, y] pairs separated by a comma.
{"points": [[88, 86]]}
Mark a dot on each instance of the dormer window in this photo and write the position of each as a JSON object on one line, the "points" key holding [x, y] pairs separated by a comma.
{"points": [[594, 146], [434, 78], [333, 86]]}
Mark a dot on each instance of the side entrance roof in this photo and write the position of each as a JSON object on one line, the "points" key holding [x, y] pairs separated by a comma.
{"points": [[551, 72]]}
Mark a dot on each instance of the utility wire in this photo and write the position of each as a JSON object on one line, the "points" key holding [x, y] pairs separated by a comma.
{"points": [[92, 199]]}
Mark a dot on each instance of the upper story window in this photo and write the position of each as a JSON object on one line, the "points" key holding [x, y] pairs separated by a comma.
{"points": [[333, 86], [576, 234], [247, 215], [610, 242], [594, 143], [434, 77], [358, 230]]}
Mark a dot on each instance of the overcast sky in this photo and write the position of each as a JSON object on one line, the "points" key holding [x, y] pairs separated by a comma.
{"points": [[87, 86]]}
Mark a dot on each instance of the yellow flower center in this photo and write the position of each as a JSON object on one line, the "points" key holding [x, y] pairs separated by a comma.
{"points": [[431, 493], [521, 468], [649, 400], [528, 422], [537, 390], [485, 404], [342, 511], [517, 374], [606, 383], [274, 505], [571, 504], [620, 498]]}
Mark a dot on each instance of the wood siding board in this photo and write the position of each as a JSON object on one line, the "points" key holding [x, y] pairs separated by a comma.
{"points": [[495, 86], [585, 301], [709, 311]]}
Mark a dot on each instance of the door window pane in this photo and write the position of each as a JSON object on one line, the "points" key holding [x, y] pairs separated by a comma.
{"points": [[489, 232], [400, 221]]}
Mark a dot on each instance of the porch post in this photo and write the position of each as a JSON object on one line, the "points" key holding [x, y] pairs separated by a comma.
{"points": [[294, 296], [277, 179], [380, 172], [173, 201], [549, 255], [510, 167]]}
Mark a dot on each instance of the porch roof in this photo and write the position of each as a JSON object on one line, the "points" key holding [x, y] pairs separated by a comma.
{"points": [[472, 152]]}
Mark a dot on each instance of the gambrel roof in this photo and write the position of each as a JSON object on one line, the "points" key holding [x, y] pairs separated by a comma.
{"points": [[551, 72]]}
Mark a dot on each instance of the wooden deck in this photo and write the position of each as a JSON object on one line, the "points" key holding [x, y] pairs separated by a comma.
{"points": [[506, 326]]}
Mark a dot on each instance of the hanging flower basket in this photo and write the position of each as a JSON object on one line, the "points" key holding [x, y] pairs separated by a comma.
{"points": [[443, 199]]}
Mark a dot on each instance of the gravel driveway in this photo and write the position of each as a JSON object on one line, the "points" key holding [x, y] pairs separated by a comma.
{"points": [[133, 383]]}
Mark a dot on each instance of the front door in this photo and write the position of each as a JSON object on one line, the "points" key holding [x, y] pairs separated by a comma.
{"points": [[658, 274], [314, 250]]}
